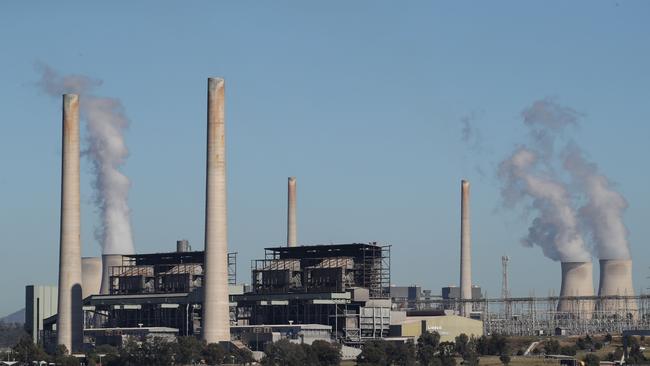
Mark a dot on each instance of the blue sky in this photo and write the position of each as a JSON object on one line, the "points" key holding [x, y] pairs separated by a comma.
{"points": [[362, 101]]}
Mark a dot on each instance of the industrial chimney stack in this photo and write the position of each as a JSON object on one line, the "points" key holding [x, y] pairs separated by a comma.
{"points": [[292, 236], [216, 310], [465, 250], [577, 280], [616, 280], [70, 316]]}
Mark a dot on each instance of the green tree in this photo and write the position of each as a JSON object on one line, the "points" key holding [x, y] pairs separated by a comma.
{"points": [[324, 353], [188, 350], [401, 353], [284, 353], [373, 353], [462, 342], [427, 347], [505, 359], [591, 360], [445, 354], [482, 346], [26, 351], [552, 347], [213, 354]]}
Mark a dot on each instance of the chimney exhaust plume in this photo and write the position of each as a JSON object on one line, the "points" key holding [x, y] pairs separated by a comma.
{"points": [[465, 250], [70, 317], [292, 236], [216, 308]]}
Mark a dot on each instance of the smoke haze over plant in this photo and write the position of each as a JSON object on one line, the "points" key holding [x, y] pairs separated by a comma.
{"points": [[106, 122], [574, 209]]}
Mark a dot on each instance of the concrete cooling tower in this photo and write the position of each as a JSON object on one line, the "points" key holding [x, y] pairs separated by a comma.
{"points": [[108, 261], [616, 280], [91, 276], [577, 280]]}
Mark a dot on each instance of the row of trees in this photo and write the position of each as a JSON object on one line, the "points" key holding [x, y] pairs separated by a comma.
{"points": [[155, 352], [430, 351], [285, 353]]}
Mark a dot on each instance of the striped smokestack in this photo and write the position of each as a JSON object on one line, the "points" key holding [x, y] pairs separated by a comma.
{"points": [[216, 310], [70, 316], [292, 236], [465, 250]]}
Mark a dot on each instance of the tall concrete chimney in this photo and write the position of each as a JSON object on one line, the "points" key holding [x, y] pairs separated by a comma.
{"points": [[616, 280], [70, 315], [292, 236], [91, 276], [216, 310], [109, 261], [465, 249], [577, 280]]}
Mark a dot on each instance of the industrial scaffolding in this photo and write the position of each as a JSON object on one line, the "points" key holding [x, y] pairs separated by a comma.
{"points": [[534, 316]]}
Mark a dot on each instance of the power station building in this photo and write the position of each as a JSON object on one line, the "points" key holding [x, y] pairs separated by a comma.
{"points": [[342, 287]]}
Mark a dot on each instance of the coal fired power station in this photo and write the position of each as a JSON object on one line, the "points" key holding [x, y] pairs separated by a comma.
{"points": [[336, 292]]}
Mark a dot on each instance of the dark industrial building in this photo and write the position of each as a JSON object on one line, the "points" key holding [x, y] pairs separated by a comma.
{"points": [[341, 285], [344, 287]]}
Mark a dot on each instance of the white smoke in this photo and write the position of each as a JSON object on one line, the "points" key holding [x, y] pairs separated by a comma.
{"points": [[602, 214], [555, 226], [532, 176], [107, 151]]}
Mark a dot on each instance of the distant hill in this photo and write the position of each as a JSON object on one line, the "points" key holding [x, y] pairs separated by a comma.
{"points": [[17, 317]]}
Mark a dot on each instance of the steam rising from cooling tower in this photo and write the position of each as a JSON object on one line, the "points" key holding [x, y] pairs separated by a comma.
{"points": [[107, 151], [570, 217]]}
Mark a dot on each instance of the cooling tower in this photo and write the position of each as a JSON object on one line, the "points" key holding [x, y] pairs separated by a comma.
{"points": [[616, 280], [465, 250], [91, 276], [70, 315], [216, 308], [292, 236], [109, 261], [577, 280]]}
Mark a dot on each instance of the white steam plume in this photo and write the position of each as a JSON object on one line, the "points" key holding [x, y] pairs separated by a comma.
{"points": [[555, 226], [603, 211], [106, 122], [532, 176]]}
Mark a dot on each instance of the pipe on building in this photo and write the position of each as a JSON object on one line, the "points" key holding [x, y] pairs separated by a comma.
{"points": [[216, 310], [465, 250], [292, 235], [70, 315]]}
